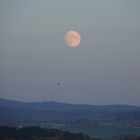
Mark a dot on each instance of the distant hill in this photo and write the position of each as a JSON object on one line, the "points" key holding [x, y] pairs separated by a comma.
{"points": [[53, 105], [14, 112]]}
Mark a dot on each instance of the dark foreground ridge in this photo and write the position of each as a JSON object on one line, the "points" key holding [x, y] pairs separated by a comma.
{"points": [[38, 133]]}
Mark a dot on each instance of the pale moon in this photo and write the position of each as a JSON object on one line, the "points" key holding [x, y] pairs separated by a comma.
{"points": [[72, 39]]}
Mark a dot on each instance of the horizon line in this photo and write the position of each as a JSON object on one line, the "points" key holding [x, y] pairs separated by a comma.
{"points": [[55, 101]]}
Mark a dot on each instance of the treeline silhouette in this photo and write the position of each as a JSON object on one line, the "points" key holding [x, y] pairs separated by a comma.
{"points": [[38, 133]]}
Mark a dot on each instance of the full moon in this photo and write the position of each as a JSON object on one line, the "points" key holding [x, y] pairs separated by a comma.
{"points": [[72, 39]]}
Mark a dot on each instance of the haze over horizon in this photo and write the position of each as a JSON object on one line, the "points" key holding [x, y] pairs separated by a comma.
{"points": [[36, 64], [65, 103]]}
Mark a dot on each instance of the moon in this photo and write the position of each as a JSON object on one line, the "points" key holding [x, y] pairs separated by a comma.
{"points": [[72, 39]]}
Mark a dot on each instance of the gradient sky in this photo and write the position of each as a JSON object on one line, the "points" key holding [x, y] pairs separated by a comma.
{"points": [[103, 69]]}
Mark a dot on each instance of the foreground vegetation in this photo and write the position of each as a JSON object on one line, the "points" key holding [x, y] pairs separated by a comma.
{"points": [[38, 133]]}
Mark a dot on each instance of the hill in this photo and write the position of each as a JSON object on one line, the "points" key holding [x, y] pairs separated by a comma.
{"points": [[48, 112]]}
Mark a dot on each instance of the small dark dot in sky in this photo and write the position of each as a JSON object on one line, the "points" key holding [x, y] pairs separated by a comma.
{"points": [[58, 84]]}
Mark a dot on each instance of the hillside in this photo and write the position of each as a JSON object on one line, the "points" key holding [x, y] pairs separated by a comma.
{"points": [[30, 112], [103, 121]]}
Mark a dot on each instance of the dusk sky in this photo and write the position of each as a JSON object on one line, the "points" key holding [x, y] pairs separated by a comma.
{"points": [[103, 69]]}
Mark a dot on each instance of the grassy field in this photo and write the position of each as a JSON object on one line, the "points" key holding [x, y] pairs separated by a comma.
{"points": [[99, 132], [104, 132]]}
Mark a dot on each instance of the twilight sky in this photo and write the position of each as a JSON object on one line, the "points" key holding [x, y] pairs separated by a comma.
{"points": [[103, 69]]}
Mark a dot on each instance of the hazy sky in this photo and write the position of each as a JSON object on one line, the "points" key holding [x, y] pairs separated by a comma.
{"points": [[103, 69]]}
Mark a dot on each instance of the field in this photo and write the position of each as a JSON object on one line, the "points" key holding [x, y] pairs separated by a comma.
{"points": [[104, 132], [98, 132]]}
